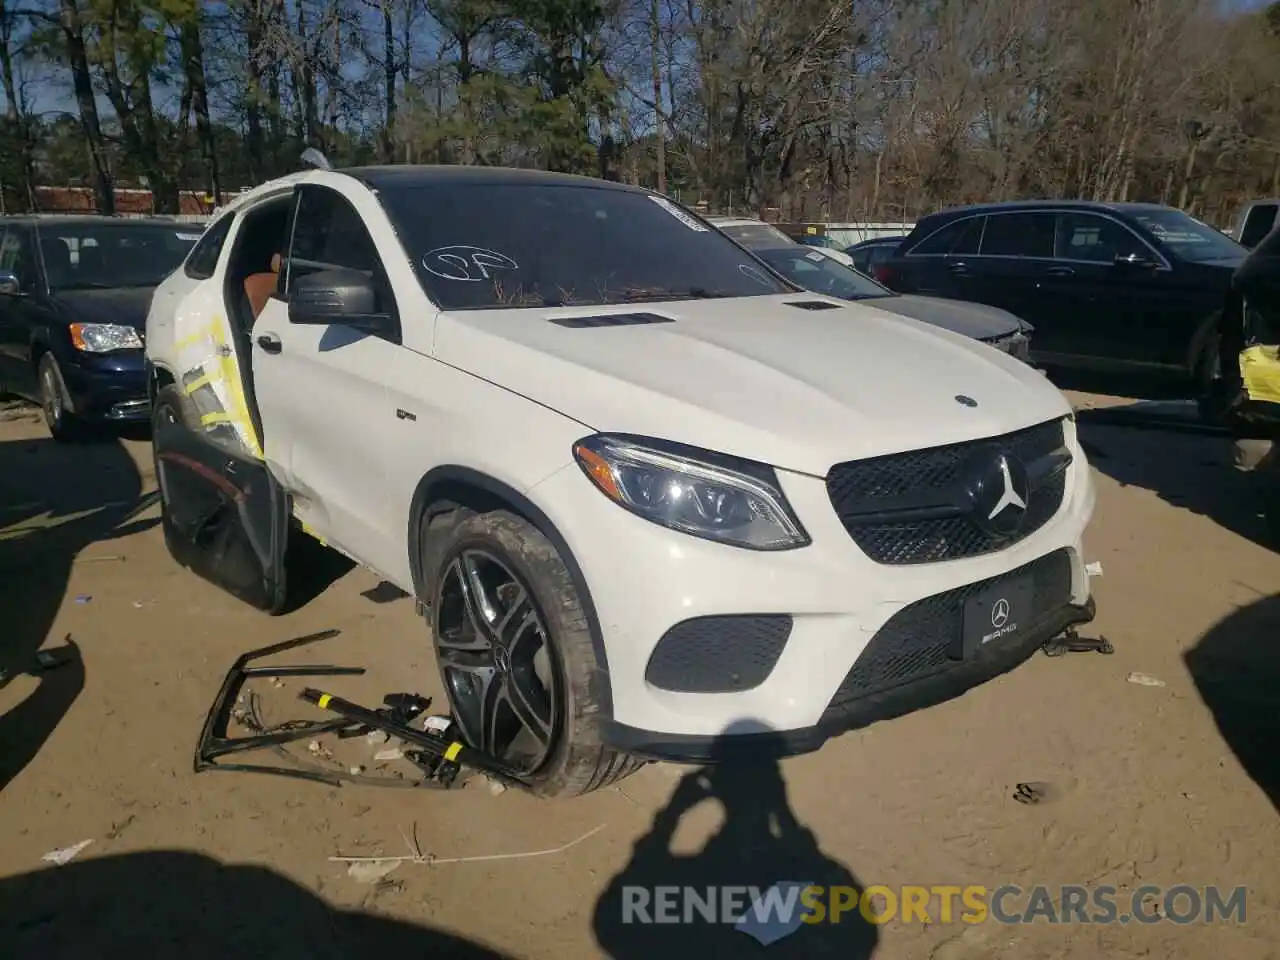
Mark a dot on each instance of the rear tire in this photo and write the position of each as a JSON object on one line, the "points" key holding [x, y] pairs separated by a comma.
{"points": [[515, 577]]}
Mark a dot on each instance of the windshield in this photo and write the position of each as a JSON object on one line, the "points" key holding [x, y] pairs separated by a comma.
{"points": [[1187, 237], [755, 236], [821, 274], [98, 256], [479, 246]]}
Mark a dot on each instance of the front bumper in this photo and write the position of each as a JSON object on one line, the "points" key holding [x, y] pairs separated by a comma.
{"points": [[111, 387], [829, 599]]}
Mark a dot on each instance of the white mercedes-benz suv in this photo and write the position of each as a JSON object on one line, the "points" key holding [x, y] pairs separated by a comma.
{"points": [[645, 490]]}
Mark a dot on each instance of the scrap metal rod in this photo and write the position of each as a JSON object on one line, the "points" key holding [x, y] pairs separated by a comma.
{"points": [[449, 751]]}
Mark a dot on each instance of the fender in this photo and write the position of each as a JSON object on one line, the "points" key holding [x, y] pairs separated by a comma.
{"points": [[429, 492]]}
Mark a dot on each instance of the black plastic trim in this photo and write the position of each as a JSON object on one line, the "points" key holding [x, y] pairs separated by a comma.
{"points": [[628, 319], [454, 473], [725, 653], [928, 692], [812, 305]]}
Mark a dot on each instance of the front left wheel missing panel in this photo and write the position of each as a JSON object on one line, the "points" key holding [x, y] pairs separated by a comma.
{"points": [[515, 653]]}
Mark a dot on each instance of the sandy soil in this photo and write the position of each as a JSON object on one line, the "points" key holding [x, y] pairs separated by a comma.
{"points": [[1146, 785]]}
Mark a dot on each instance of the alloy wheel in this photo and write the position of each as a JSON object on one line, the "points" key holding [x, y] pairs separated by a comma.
{"points": [[493, 647], [51, 396]]}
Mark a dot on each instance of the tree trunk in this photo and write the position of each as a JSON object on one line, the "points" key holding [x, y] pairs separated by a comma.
{"points": [[659, 126], [82, 83], [193, 64], [255, 141], [16, 108], [390, 70]]}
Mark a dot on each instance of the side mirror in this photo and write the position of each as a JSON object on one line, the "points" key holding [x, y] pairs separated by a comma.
{"points": [[9, 284], [340, 296], [1135, 261]]}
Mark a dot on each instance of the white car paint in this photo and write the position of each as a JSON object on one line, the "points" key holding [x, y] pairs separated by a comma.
{"points": [[507, 394]]}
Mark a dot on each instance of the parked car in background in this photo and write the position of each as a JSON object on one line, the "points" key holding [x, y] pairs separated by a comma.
{"points": [[868, 255], [749, 233], [758, 235], [1108, 287], [74, 293], [1257, 219], [991, 325]]}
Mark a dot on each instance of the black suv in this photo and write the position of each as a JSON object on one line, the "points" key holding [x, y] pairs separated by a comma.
{"points": [[1107, 286]]}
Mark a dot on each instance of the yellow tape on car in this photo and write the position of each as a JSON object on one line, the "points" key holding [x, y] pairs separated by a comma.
{"points": [[1260, 371]]}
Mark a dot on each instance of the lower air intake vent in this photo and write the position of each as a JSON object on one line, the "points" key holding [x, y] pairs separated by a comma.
{"points": [[813, 305], [611, 320]]}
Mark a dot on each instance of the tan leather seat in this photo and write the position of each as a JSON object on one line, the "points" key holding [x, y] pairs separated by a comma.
{"points": [[258, 287]]}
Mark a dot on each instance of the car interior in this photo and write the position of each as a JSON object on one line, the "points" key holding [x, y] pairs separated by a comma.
{"points": [[253, 271]]}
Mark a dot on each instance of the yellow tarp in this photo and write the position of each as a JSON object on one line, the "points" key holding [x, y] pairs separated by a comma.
{"points": [[1260, 370]]}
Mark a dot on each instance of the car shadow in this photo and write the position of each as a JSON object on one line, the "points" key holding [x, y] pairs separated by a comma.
{"points": [[1236, 669], [759, 844], [1190, 470], [169, 903], [55, 499], [1136, 385]]}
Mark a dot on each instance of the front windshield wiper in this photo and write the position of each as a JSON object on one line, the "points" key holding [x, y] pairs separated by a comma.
{"points": [[641, 295]]}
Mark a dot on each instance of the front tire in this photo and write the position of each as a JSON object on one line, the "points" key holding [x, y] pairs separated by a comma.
{"points": [[63, 425], [515, 652]]}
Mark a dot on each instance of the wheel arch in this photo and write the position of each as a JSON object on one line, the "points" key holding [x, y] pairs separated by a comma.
{"points": [[158, 377], [1208, 333], [449, 487]]}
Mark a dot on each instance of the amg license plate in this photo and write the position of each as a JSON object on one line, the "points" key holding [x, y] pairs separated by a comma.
{"points": [[1000, 611]]}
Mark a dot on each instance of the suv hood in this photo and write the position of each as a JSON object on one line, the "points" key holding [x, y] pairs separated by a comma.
{"points": [[975, 320], [756, 378], [125, 306]]}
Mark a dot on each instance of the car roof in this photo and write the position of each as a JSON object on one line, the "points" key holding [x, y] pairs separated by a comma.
{"points": [[398, 176], [91, 219], [1009, 206]]}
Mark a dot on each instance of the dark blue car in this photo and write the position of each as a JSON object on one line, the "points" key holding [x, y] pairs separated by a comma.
{"points": [[74, 294]]}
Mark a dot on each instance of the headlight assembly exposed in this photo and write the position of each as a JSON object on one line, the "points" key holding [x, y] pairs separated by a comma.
{"points": [[103, 337], [696, 492]]}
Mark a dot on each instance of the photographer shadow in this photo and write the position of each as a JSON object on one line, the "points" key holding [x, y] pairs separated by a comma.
{"points": [[760, 844], [174, 903], [56, 499]]}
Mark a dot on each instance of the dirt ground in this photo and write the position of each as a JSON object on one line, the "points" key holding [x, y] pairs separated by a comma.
{"points": [[1163, 785]]}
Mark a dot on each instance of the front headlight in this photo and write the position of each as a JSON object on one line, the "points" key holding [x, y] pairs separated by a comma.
{"points": [[697, 492], [103, 337]]}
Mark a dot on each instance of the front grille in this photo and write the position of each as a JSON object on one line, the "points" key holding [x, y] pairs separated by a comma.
{"points": [[919, 639], [915, 507]]}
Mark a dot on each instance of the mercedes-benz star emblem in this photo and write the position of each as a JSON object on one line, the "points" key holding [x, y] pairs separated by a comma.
{"points": [[999, 492], [1000, 613]]}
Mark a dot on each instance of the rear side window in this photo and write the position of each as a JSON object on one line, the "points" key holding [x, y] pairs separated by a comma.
{"points": [[203, 260], [1087, 236], [1260, 221], [960, 238], [1270, 245], [16, 258], [1019, 235]]}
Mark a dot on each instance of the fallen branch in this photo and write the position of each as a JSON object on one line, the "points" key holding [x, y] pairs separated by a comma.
{"points": [[416, 856]]}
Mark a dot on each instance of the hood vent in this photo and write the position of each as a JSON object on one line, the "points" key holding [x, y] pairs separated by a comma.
{"points": [[813, 305], [610, 320]]}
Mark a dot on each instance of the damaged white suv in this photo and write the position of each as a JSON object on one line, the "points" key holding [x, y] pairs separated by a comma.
{"points": [[646, 490]]}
